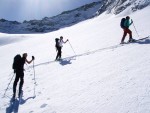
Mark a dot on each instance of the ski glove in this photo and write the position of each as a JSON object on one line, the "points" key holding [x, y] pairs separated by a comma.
{"points": [[131, 21], [33, 58]]}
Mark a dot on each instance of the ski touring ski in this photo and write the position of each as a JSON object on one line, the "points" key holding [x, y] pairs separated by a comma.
{"points": [[136, 40]]}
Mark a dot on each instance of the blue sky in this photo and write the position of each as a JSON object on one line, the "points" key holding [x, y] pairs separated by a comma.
{"points": [[21, 10]]}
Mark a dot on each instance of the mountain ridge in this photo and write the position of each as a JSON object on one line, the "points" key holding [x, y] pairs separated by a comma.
{"points": [[48, 24], [71, 17]]}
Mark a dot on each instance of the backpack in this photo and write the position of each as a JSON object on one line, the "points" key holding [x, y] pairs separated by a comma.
{"points": [[57, 42], [17, 62], [122, 23]]}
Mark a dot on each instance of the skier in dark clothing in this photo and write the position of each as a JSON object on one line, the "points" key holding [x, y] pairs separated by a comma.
{"points": [[20, 73], [126, 29], [59, 45]]}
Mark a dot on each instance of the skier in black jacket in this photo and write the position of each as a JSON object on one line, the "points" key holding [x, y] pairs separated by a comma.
{"points": [[20, 73]]}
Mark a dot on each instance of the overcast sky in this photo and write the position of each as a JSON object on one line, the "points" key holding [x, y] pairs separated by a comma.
{"points": [[21, 10]]}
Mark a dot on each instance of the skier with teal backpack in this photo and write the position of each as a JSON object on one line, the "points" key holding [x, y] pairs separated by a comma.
{"points": [[125, 24]]}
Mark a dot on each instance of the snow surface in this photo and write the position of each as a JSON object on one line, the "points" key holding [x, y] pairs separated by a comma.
{"points": [[99, 79]]}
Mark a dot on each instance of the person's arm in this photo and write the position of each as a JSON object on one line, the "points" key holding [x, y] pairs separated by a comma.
{"points": [[66, 41], [131, 22], [30, 60]]}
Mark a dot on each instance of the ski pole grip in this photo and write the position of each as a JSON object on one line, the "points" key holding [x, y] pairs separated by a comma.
{"points": [[33, 57]]}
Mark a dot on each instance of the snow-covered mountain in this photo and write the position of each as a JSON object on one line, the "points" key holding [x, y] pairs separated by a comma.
{"points": [[117, 6], [68, 18], [47, 24]]}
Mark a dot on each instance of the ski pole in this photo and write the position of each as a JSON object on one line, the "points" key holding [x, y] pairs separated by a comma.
{"points": [[8, 85], [72, 47], [34, 80], [34, 91], [135, 29], [34, 71]]}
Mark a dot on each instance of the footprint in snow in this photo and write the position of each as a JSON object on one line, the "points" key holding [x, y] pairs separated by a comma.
{"points": [[39, 92], [43, 105], [48, 98], [28, 71]]}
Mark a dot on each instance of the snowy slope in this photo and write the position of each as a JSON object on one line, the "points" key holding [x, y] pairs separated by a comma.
{"points": [[111, 80]]}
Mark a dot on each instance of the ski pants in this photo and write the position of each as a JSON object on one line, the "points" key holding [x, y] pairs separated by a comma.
{"points": [[59, 52], [126, 31], [19, 75]]}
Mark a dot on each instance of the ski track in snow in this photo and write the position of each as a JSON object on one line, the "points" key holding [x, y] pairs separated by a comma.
{"points": [[67, 60]]}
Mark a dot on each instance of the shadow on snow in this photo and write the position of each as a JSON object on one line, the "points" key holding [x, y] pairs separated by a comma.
{"points": [[14, 104]]}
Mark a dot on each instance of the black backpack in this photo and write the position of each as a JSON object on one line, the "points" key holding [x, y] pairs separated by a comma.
{"points": [[57, 42], [17, 62], [122, 23]]}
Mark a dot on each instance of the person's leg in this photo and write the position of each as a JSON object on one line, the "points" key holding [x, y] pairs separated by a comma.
{"points": [[57, 55], [60, 52], [21, 83], [15, 84], [124, 35], [130, 34]]}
